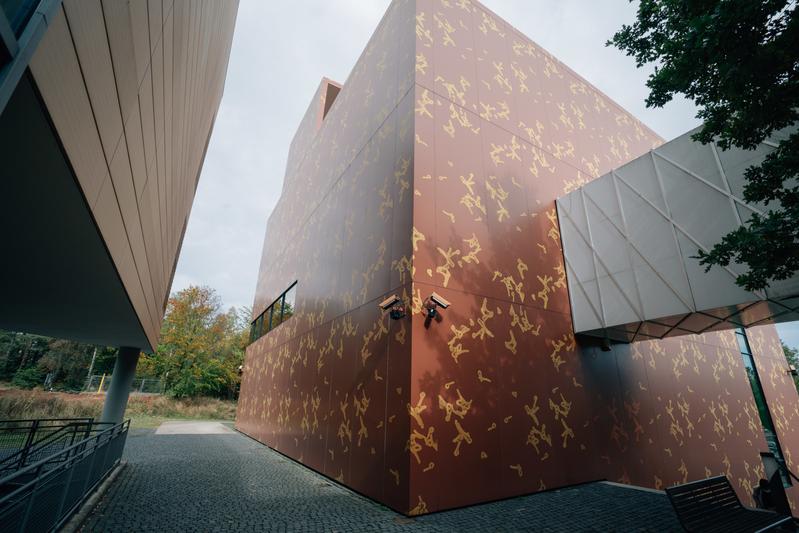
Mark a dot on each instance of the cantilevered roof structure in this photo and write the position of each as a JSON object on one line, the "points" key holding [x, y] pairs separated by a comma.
{"points": [[106, 110], [630, 241]]}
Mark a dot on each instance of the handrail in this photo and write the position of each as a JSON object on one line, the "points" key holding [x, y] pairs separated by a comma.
{"points": [[23, 452], [44, 419], [35, 502], [42, 462], [76, 425]]}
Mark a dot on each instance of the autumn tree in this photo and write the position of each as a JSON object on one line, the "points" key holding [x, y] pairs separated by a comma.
{"points": [[201, 346], [738, 60]]}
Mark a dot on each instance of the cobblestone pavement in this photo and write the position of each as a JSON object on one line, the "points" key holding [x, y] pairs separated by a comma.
{"points": [[228, 482]]}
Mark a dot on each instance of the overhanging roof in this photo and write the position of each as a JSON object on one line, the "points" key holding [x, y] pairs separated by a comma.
{"points": [[56, 277], [630, 238]]}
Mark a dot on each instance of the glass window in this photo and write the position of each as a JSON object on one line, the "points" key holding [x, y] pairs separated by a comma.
{"points": [[762, 407], [281, 310], [742, 344], [253, 334], [288, 302], [267, 320], [256, 329], [259, 326], [277, 312]]}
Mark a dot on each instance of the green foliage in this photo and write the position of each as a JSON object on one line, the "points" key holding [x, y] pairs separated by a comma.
{"points": [[28, 378], [199, 354], [738, 60], [66, 361], [20, 350], [201, 347]]}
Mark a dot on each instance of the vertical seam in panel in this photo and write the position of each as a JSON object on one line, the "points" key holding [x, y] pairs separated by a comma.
{"points": [[671, 226], [759, 294], [75, 176], [627, 240], [391, 255], [725, 182], [155, 155], [163, 122], [593, 259], [641, 255], [132, 178], [146, 170], [170, 118], [108, 168]]}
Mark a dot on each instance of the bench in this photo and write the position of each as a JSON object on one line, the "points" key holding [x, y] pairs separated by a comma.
{"points": [[712, 505]]}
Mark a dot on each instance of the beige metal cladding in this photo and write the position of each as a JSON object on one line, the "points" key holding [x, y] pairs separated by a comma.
{"points": [[631, 237], [133, 89]]}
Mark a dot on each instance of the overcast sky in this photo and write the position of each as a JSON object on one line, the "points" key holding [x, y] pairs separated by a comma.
{"points": [[281, 50]]}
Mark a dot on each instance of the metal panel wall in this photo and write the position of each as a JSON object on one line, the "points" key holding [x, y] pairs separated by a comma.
{"points": [[631, 237], [506, 400], [329, 387], [109, 73], [449, 184]]}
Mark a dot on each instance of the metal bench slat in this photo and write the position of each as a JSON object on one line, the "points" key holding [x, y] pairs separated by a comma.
{"points": [[713, 505]]}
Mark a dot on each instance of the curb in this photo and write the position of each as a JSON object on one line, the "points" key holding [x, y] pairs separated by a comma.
{"points": [[74, 524]]}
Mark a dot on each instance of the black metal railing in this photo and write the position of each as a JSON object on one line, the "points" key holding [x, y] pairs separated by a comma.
{"points": [[23, 442], [44, 494]]}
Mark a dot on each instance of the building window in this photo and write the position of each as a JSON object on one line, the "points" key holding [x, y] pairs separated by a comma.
{"points": [[288, 302], [762, 407], [278, 312]]}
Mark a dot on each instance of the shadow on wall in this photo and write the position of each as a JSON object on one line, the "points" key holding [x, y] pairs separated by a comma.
{"points": [[519, 405]]}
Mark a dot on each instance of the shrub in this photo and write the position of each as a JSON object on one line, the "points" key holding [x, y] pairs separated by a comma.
{"points": [[27, 378]]}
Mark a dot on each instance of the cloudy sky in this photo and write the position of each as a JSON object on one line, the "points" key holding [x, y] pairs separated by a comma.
{"points": [[280, 52]]}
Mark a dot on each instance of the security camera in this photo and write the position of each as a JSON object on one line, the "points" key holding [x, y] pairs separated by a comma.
{"points": [[393, 304], [439, 301], [792, 370], [431, 303], [389, 302]]}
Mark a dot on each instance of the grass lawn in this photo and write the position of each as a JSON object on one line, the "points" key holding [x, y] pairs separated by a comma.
{"points": [[145, 411]]}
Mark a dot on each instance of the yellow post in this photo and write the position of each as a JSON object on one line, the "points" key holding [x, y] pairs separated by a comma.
{"points": [[102, 380]]}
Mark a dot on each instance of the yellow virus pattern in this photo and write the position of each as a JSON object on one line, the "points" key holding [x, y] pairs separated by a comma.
{"points": [[436, 170]]}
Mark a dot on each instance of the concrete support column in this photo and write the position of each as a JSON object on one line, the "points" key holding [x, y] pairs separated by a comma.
{"points": [[116, 399]]}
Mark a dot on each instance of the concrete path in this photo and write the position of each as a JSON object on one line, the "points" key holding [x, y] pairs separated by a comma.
{"points": [[228, 482], [192, 427]]}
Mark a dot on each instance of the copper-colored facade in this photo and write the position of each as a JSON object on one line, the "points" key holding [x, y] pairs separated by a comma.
{"points": [[436, 169]]}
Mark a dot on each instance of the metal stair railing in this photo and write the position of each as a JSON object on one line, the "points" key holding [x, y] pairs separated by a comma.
{"points": [[43, 495], [26, 441], [17, 433]]}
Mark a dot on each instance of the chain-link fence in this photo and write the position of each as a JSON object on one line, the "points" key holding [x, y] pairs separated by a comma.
{"points": [[100, 382]]}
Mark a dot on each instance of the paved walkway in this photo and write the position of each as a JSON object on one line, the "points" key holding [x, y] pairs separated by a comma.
{"points": [[228, 482]]}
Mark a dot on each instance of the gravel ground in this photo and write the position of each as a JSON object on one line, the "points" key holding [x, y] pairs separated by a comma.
{"points": [[228, 482]]}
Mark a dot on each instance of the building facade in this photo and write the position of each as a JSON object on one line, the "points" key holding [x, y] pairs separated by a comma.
{"points": [[436, 169], [107, 109]]}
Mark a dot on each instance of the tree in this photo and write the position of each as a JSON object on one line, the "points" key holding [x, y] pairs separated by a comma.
{"points": [[26, 359], [792, 355], [201, 347], [738, 60]]}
